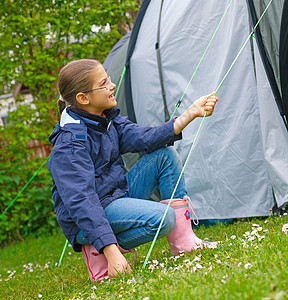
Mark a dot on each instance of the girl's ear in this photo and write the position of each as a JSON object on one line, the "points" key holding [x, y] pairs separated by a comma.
{"points": [[82, 99]]}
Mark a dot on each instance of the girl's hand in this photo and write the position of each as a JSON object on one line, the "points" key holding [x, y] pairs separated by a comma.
{"points": [[197, 109], [117, 263], [203, 104]]}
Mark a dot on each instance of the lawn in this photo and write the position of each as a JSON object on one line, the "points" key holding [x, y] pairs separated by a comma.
{"points": [[252, 263]]}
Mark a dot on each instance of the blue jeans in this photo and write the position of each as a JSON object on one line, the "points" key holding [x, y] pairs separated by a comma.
{"points": [[135, 220]]}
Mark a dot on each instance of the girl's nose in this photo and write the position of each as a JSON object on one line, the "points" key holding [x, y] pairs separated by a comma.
{"points": [[112, 86]]}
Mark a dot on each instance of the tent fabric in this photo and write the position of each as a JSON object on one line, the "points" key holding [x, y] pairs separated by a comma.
{"points": [[239, 163], [283, 58], [133, 39], [268, 59], [115, 49], [269, 28], [273, 132]]}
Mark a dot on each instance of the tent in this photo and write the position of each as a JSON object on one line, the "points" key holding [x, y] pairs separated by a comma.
{"points": [[239, 165]]}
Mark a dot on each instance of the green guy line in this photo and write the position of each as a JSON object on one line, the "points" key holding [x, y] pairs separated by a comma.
{"points": [[63, 252], [240, 51], [237, 56], [174, 191], [181, 98], [24, 187], [121, 78]]}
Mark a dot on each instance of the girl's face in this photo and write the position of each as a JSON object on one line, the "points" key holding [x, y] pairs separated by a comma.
{"points": [[100, 99]]}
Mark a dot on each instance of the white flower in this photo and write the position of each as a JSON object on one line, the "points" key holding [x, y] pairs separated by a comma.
{"points": [[255, 225], [239, 264], [40, 296], [254, 231], [233, 237], [95, 28], [285, 228], [218, 261], [155, 262], [197, 258], [129, 281], [247, 266], [216, 255], [198, 266]]}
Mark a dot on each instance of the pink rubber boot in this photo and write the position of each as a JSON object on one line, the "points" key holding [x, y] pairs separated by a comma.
{"points": [[182, 236], [97, 264]]}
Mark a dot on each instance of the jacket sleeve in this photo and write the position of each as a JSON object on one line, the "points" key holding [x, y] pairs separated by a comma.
{"points": [[73, 173], [135, 138]]}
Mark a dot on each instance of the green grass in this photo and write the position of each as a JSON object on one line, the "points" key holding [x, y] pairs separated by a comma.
{"points": [[231, 271]]}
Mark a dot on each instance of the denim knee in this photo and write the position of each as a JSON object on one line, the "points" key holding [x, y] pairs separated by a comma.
{"points": [[171, 154], [169, 223]]}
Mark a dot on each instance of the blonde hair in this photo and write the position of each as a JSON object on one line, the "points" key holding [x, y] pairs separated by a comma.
{"points": [[74, 78]]}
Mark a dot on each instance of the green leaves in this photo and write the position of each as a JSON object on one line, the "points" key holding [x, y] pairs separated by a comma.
{"points": [[37, 39]]}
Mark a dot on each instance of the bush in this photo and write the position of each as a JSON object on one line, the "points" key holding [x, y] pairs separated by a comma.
{"points": [[33, 209], [45, 36]]}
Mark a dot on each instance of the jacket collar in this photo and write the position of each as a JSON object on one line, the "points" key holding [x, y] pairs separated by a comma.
{"points": [[76, 115]]}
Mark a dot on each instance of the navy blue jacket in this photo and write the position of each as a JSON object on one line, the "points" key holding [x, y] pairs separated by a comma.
{"points": [[88, 171]]}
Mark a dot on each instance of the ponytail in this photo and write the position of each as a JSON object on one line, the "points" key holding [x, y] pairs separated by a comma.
{"points": [[61, 104]]}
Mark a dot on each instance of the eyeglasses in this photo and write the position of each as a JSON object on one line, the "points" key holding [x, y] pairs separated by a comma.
{"points": [[105, 86]]}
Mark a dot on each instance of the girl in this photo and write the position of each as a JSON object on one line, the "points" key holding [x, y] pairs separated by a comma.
{"points": [[96, 203]]}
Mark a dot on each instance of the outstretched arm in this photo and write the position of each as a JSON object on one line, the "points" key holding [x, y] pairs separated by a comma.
{"points": [[197, 109]]}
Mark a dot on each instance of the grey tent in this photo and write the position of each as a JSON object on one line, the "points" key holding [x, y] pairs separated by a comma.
{"points": [[239, 165]]}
